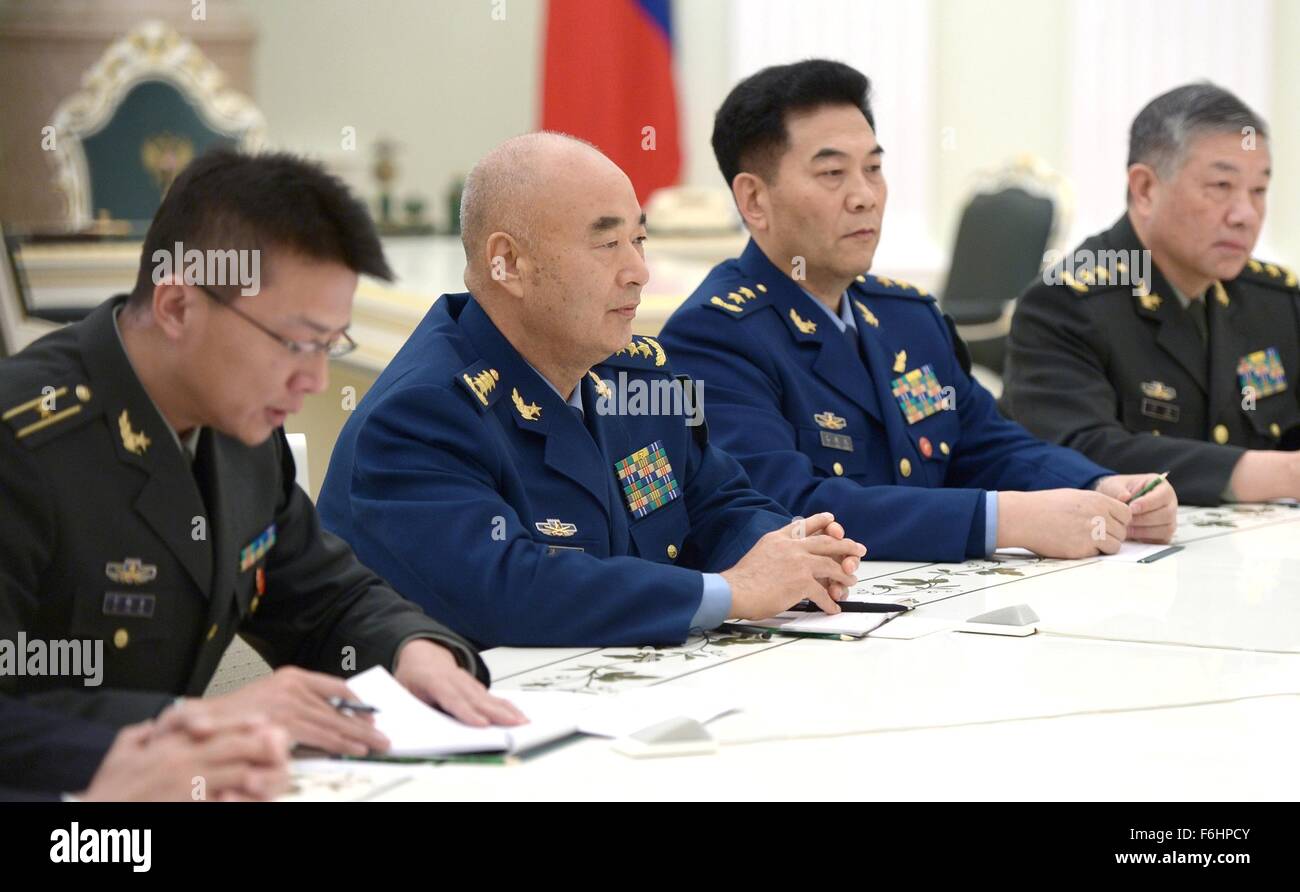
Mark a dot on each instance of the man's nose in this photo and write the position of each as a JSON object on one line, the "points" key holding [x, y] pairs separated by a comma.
{"points": [[635, 271], [314, 376], [1243, 212], [862, 197]]}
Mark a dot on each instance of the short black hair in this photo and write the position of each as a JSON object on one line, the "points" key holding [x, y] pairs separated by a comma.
{"points": [[749, 130], [230, 200], [1163, 130]]}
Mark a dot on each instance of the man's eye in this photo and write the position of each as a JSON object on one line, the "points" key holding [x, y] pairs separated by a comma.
{"points": [[640, 239], [613, 244], [874, 168], [832, 173]]}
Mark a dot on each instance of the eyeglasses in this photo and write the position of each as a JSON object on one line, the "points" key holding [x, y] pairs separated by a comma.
{"points": [[339, 345]]}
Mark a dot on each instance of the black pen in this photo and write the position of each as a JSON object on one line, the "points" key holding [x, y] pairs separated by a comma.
{"points": [[853, 607], [343, 705]]}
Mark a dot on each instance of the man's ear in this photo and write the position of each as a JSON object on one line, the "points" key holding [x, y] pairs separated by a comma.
{"points": [[506, 263], [172, 308], [1142, 184], [753, 200]]}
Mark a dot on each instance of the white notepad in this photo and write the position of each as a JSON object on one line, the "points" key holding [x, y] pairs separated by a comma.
{"points": [[417, 730]]}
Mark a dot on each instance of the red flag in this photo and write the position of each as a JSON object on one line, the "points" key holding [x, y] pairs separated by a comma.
{"points": [[608, 78]]}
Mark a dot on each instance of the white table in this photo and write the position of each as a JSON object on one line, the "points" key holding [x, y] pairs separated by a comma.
{"points": [[1159, 680]]}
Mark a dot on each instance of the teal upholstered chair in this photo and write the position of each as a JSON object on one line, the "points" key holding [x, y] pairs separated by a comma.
{"points": [[151, 103]]}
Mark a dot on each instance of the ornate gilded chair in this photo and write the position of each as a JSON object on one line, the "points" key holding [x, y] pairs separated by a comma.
{"points": [[151, 103]]}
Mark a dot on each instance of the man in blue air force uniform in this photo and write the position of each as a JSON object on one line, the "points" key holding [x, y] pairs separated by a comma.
{"points": [[529, 491], [849, 393]]}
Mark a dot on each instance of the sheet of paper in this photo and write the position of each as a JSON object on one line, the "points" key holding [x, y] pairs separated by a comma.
{"points": [[552, 715], [846, 623], [416, 729]]}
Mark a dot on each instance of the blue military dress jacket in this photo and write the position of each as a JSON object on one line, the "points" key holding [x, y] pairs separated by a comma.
{"points": [[479, 493], [884, 427]]}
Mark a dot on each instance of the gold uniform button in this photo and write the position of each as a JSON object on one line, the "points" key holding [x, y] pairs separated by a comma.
{"points": [[943, 447], [257, 599], [1276, 430], [905, 467], [1220, 434], [212, 632], [121, 638], [672, 552], [838, 469], [83, 393]]}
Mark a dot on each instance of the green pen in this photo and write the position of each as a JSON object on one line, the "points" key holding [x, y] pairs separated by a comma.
{"points": [[1160, 478]]}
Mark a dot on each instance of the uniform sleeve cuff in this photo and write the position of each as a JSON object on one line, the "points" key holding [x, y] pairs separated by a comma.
{"points": [[715, 604], [990, 522], [465, 658]]}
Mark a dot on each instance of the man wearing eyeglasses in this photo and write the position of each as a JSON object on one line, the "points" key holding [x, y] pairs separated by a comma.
{"points": [[149, 505]]}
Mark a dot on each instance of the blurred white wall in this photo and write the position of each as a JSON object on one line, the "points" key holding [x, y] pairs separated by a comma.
{"points": [[441, 77], [447, 80]]}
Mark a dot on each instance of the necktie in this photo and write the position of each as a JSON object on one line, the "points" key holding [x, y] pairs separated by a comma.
{"points": [[201, 467], [855, 344], [1197, 310]]}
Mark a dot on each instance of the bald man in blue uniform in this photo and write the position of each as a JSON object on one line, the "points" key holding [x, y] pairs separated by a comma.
{"points": [[529, 488], [844, 392]]}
